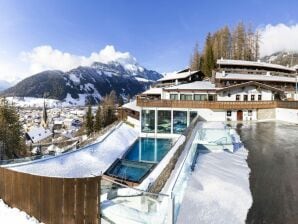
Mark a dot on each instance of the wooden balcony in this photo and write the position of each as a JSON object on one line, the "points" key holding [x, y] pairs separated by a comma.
{"points": [[143, 102]]}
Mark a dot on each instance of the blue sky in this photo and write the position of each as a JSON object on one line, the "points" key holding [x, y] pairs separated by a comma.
{"points": [[160, 34]]}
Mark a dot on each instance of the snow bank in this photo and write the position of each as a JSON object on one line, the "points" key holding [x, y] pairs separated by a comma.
{"points": [[88, 161], [14, 216], [218, 190]]}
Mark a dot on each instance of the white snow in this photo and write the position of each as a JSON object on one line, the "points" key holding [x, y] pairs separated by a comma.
{"points": [[74, 78], [87, 162], [143, 80], [33, 102], [218, 190], [14, 216]]}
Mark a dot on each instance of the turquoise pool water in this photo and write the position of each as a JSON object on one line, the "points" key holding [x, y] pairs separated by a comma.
{"points": [[140, 159], [148, 150]]}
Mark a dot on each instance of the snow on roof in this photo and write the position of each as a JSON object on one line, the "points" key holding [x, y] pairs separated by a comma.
{"points": [[155, 91], [131, 105], [175, 76], [198, 85], [38, 134], [234, 76], [253, 63]]}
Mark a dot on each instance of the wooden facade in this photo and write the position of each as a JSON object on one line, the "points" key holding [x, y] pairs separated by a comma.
{"points": [[227, 105], [52, 200]]}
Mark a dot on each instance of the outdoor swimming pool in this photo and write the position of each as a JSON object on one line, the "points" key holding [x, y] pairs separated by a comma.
{"points": [[140, 159]]}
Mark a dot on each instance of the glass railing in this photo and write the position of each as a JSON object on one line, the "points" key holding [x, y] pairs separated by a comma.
{"points": [[23, 160], [220, 136], [122, 204]]}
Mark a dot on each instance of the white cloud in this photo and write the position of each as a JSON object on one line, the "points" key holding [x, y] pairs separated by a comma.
{"points": [[47, 58], [278, 37]]}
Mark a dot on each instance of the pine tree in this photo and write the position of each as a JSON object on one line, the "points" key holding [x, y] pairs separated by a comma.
{"points": [[195, 59], [208, 61], [89, 121], [98, 119], [11, 140]]}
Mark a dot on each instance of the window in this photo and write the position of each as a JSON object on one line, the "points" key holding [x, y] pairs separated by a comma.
{"points": [[237, 97], [211, 97], [245, 97], [185, 97], [179, 121], [200, 97], [252, 97], [229, 94], [164, 121], [148, 121], [174, 96], [250, 113], [229, 113], [259, 97]]}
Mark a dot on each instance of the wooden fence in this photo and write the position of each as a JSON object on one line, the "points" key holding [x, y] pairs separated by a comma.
{"points": [[52, 200]]}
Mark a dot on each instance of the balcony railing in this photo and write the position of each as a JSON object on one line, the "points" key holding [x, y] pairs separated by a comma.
{"points": [[144, 102]]}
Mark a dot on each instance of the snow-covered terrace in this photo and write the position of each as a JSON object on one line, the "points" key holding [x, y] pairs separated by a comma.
{"points": [[87, 162], [233, 76]]}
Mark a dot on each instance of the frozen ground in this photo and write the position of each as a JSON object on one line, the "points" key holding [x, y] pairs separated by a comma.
{"points": [[14, 216], [218, 190], [88, 161]]}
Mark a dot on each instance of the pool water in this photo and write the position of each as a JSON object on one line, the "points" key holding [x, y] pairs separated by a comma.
{"points": [[130, 170], [148, 150], [140, 159]]}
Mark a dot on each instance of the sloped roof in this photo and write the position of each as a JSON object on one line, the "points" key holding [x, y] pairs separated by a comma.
{"points": [[271, 78], [153, 91], [38, 134], [250, 83], [131, 105], [181, 75], [198, 85], [253, 63]]}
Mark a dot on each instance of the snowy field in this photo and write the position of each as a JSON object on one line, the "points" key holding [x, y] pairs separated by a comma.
{"points": [[51, 103], [87, 162], [14, 216], [218, 190]]}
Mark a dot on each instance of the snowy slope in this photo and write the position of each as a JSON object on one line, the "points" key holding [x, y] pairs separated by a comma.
{"points": [[14, 216], [87, 162]]}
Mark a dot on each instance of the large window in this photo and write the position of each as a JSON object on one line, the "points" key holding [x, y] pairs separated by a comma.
{"points": [[164, 121], [259, 97], [252, 97], [185, 97], [174, 96], [179, 121], [148, 121], [200, 97]]}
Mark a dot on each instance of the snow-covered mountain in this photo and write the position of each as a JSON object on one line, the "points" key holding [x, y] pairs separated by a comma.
{"points": [[4, 85], [86, 84], [282, 58]]}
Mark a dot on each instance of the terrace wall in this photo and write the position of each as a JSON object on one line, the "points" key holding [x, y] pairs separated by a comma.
{"points": [[52, 200]]}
